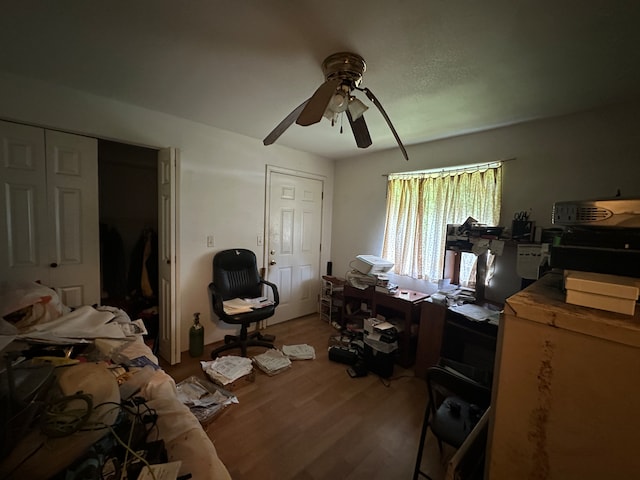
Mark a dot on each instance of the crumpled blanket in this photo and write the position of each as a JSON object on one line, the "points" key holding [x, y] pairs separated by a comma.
{"points": [[24, 304]]}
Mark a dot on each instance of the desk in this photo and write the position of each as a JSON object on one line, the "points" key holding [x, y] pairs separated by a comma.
{"points": [[446, 334], [402, 308]]}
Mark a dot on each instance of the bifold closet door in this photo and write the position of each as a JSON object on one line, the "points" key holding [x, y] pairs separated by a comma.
{"points": [[23, 216], [72, 210], [49, 228]]}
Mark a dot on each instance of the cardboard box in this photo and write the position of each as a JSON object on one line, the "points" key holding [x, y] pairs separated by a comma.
{"points": [[613, 293], [601, 302], [603, 284]]}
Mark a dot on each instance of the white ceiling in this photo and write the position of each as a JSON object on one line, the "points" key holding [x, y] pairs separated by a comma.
{"points": [[439, 68]]}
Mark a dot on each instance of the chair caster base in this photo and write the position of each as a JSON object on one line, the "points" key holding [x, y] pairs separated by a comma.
{"points": [[267, 337]]}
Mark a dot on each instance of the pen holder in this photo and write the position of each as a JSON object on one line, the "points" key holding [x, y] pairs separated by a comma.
{"points": [[522, 230]]}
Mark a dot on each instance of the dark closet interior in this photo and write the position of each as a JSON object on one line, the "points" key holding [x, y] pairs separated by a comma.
{"points": [[128, 198]]}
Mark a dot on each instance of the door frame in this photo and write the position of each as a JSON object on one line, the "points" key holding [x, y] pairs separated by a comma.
{"points": [[267, 211]]}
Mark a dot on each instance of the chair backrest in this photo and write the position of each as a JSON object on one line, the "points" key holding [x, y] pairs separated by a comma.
{"points": [[235, 274], [458, 385]]}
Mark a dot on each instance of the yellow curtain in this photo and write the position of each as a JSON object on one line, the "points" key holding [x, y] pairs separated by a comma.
{"points": [[419, 207]]}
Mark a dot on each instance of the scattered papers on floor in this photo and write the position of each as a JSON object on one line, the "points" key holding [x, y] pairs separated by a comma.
{"points": [[272, 361], [299, 352], [204, 399], [227, 369], [244, 305]]}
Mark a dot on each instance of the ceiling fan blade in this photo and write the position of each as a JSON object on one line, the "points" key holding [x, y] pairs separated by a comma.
{"points": [[375, 101], [318, 102], [360, 130], [284, 124]]}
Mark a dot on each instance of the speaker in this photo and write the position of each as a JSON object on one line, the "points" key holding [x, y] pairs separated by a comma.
{"points": [[329, 268]]}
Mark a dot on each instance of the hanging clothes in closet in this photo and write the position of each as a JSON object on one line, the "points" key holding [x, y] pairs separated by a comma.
{"points": [[143, 271]]}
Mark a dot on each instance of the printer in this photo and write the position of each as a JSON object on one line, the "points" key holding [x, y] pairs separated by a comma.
{"points": [[371, 265], [601, 236]]}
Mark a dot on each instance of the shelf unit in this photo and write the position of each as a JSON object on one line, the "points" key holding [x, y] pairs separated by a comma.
{"points": [[330, 303]]}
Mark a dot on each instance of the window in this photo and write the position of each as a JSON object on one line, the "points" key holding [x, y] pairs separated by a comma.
{"points": [[421, 204]]}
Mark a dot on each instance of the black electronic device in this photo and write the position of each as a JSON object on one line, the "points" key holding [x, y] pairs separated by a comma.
{"points": [[340, 354], [378, 362], [614, 251], [602, 236]]}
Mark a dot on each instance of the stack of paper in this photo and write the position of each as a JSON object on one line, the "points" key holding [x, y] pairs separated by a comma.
{"points": [[204, 399], [474, 312], [227, 369], [299, 352], [272, 361], [235, 306], [244, 305]]}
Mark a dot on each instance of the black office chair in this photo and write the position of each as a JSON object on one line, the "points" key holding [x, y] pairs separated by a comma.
{"points": [[456, 404], [235, 275]]}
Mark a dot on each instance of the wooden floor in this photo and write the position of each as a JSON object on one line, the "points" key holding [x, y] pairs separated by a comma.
{"points": [[313, 421]]}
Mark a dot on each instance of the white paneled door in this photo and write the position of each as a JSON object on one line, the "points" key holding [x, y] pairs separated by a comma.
{"points": [[169, 335], [293, 247], [49, 211], [72, 189]]}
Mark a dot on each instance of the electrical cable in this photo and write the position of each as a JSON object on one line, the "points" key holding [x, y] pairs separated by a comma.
{"points": [[387, 381], [58, 420], [128, 449]]}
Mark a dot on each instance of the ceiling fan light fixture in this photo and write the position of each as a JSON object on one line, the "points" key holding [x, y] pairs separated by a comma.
{"points": [[357, 108], [339, 102]]}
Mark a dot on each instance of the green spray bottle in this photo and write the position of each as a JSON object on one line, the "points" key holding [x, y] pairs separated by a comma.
{"points": [[196, 337]]}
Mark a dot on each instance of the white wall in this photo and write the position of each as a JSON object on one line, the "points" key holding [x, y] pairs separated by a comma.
{"points": [[581, 156], [222, 176]]}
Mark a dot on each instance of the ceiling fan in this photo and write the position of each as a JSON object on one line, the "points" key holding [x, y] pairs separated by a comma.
{"points": [[343, 74]]}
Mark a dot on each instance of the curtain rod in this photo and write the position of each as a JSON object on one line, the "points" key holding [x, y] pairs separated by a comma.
{"points": [[461, 168]]}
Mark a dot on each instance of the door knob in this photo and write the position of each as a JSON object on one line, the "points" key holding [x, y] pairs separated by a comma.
{"points": [[53, 265], [272, 262]]}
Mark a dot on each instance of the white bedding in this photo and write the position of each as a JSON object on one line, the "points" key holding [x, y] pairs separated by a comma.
{"points": [[184, 437]]}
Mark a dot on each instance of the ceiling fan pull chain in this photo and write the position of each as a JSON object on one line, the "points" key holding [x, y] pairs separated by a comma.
{"points": [[341, 115]]}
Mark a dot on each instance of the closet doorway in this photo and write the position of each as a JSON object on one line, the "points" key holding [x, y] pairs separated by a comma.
{"points": [[128, 204]]}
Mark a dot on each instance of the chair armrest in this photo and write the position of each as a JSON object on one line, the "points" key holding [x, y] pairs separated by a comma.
{"points": [[274, 289], [218, 307]]}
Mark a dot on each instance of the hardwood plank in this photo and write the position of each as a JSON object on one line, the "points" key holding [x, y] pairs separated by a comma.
{"points": [[315, 422]]}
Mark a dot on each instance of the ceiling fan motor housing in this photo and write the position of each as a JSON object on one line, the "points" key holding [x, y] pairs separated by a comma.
{"points": [[346, 66]]}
